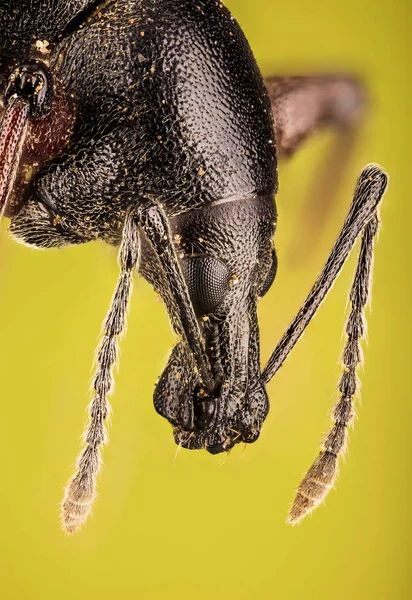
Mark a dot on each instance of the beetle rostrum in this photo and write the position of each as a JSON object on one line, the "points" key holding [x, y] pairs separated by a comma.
{"points": [[147, 124]]}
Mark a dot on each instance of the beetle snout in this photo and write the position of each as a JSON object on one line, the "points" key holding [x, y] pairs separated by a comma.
{"points": [[234, 412]]}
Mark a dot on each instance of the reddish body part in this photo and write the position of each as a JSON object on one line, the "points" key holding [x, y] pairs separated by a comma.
{"points": [[13, 132]]}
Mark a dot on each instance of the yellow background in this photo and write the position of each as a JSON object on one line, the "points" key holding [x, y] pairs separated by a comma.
{"points": [[185, 524]]}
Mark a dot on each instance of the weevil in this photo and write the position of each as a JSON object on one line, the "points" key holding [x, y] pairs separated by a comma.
{"points": [[147, 124]]}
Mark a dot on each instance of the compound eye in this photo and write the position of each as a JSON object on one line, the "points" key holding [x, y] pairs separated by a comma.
{"points": [[208, 281], [270, 277]]}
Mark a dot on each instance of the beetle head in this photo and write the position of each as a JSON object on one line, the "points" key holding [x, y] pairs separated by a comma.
{"points": [[228, 261]]}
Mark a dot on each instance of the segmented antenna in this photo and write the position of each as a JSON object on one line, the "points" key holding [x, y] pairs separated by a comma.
{"points": [[322, 474], [81, 489]]}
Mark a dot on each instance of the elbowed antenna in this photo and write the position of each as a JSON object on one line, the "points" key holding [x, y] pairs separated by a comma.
{"points": [[362, 219], [80, 492]]}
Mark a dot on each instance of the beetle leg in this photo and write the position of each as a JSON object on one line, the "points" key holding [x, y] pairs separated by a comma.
{"points": [[154, 223], [362, 219], [301, 107]]}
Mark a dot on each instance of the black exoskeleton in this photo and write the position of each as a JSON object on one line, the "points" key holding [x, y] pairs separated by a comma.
{"points": [[147, 123]]}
